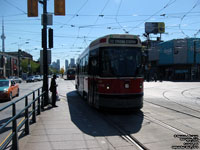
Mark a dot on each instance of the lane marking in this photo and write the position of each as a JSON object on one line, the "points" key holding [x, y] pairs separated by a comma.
{"points": [[11, 132]]}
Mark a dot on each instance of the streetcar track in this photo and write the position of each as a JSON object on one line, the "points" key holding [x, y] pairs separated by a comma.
{"points": [[197, 99], [190, 93], [178, 103], [124, 135], [130, 138], [173, 109], [165, 125], [151, 119]]}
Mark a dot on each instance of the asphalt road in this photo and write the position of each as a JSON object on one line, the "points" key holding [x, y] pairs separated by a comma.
{"points": [[5, 115]]}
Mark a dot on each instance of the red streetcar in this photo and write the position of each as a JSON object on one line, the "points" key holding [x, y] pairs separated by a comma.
{"points": [[71, 74], [108, 72]]}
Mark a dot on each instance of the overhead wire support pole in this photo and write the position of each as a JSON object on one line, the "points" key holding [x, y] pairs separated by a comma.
{"points": [[44, 45]]}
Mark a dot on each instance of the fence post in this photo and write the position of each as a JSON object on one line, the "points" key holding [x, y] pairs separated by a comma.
{"points": [[39, 106], [34, 111], [14, 129], [26, 117]]}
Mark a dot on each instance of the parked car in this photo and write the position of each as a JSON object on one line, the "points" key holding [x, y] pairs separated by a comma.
{"points": [[41, 77], [30, 79], [8, 89], [37, 78], [16, 79]]}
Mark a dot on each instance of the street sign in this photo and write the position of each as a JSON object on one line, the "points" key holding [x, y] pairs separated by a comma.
{"points": [[48, 57]]}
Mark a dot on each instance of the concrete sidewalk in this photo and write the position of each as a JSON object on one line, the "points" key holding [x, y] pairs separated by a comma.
{"points": [[55, 130]]}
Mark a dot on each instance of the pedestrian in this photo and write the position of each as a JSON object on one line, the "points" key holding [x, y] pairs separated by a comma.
{"points": [[53, 90]]}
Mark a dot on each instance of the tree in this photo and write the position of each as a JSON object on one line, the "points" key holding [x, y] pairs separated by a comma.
{"points": [[35, 67], [62, 71], [30, 67], [53, 70], [24, 65]]}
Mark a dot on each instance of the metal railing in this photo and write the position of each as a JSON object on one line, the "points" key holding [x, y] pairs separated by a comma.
{"points": [[25, 113]]}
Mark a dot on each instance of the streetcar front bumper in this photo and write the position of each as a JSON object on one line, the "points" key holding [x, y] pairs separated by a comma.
{"points": [[121, 101]]}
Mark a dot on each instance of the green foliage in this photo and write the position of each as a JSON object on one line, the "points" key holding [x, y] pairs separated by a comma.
{"points": [[62, 71], [24, 65], [30, 67], [53, 71]]}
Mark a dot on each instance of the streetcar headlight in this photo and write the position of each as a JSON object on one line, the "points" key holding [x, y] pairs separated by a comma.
{"points": [[126, 86], [107, 87]]}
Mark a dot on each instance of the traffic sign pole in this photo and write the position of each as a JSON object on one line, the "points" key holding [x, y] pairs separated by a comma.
{"points": [[45, 62]]}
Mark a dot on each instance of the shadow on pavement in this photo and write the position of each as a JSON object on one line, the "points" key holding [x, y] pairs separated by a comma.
{"points": [[92, 121]]}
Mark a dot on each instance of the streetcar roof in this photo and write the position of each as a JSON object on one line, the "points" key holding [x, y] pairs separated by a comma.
{"points": [[117, 36], [98, 41]]}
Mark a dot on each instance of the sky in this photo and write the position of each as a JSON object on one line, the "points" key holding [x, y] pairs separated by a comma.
{"points": [[87, 20]]}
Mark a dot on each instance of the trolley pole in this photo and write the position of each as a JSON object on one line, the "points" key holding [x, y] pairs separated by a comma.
{"points": [[45, 62]]}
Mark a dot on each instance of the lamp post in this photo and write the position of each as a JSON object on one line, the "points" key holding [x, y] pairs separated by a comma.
{"points": [[19, 58]]}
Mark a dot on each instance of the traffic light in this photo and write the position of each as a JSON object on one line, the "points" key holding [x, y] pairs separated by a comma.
{"points": [[32, 8], [50, 38], [59, 7]]}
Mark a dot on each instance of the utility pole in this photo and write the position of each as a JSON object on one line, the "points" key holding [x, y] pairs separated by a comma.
{"points": [[45, 62], [3, 37]]}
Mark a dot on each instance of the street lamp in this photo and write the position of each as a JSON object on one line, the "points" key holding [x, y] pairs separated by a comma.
{"points": [[19, 58]]}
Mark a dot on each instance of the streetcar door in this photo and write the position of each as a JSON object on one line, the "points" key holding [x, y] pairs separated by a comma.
{"points": [[93, 72]]}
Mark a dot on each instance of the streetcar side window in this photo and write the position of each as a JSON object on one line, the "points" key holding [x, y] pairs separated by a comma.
{"points": [[86, 64], [77, 69], [83, 65]]}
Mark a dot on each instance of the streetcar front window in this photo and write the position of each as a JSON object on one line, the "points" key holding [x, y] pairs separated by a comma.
{"points": [[120, 61], [71, 72]]}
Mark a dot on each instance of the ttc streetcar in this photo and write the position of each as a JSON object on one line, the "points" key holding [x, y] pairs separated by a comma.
{"points": [[71, 74], [108, 72]]}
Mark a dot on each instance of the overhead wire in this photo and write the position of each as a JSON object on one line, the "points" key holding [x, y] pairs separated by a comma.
{"points": [[167, 5], [195, 5], [11, 4], [116, 17], [13, 15], [91, 27], [100, 15], [76, 14], [73, 16]]}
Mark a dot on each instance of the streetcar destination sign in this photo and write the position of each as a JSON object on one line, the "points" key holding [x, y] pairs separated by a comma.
{"points": [[123, 41]]}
